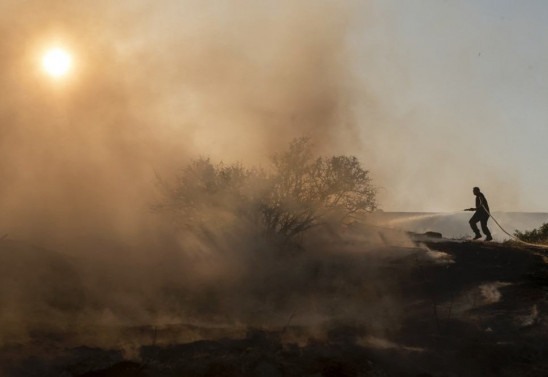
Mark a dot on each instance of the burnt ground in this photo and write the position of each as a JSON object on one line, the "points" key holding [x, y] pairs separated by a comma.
{"points": [[482, 312]]}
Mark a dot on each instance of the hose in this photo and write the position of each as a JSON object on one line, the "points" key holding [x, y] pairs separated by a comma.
{"points": [[511, 235]]}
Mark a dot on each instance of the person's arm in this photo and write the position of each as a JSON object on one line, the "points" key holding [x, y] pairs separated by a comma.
{"points": [[483, 204]]}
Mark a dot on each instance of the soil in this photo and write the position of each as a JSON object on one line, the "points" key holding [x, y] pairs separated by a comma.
{"points": [[470, 309]]}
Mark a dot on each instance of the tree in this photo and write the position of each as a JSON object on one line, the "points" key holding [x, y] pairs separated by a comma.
{"points": [[307, 191], [299, 192], [203, 192]]}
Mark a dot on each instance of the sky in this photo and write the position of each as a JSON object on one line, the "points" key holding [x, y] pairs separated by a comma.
{"points": [[434, 97], [463, 87]]}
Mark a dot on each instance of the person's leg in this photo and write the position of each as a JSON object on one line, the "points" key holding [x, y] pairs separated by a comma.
{"points": [[485, 229], [473, 224]]}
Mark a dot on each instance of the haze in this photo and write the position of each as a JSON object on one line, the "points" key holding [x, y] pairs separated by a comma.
{"points": [[461, 88], [434, 98]]}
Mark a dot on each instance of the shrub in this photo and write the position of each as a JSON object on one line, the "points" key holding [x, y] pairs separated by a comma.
{"points": [[299, 192], [204, 194], [539, 235], [306, 191]]}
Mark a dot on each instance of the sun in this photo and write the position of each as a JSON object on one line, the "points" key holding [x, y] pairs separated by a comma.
{"points": [[57, 62]]}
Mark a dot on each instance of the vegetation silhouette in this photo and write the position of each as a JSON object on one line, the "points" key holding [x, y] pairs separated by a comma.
{"points": [[299, 191], [539, 235]]}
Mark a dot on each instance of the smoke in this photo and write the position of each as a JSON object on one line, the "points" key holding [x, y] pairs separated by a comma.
{"points": [[154, 85]]}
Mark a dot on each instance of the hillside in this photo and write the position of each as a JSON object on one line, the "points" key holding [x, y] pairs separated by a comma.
{"points": [[456, 309]]}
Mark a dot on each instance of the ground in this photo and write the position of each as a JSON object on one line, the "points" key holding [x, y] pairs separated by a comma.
{"points": [[465, 309]]}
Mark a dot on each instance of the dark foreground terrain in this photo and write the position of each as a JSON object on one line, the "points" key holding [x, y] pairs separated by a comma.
{"points": [[467, 309]]}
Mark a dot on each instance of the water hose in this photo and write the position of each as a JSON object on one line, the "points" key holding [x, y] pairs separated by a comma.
{"points": [[511, 235]]}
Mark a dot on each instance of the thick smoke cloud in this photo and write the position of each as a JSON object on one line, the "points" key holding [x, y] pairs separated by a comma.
{"points": [[153, 84]]}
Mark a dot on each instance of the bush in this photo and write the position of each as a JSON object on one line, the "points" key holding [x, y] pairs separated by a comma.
{"points": [[539, 235], [299, 192], [210, 202], [307, 191]]}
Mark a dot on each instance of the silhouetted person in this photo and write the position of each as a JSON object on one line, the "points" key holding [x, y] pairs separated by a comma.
{"points": [[482, 215]]}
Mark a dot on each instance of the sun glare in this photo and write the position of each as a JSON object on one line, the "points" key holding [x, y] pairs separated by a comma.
{"points": [[57, 62]]}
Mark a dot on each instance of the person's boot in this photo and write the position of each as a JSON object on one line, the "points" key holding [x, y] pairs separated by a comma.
{"points": [[478, 236], [488, 238]]}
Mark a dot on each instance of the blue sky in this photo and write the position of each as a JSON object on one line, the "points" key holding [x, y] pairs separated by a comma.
{"points": [[461, 89]]}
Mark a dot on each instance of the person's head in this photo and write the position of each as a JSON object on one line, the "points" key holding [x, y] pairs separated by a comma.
{"points": [[476, 190]]}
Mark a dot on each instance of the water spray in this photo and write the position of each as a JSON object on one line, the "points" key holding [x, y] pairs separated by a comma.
{"points": [[418, 217], [395, 222]]}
